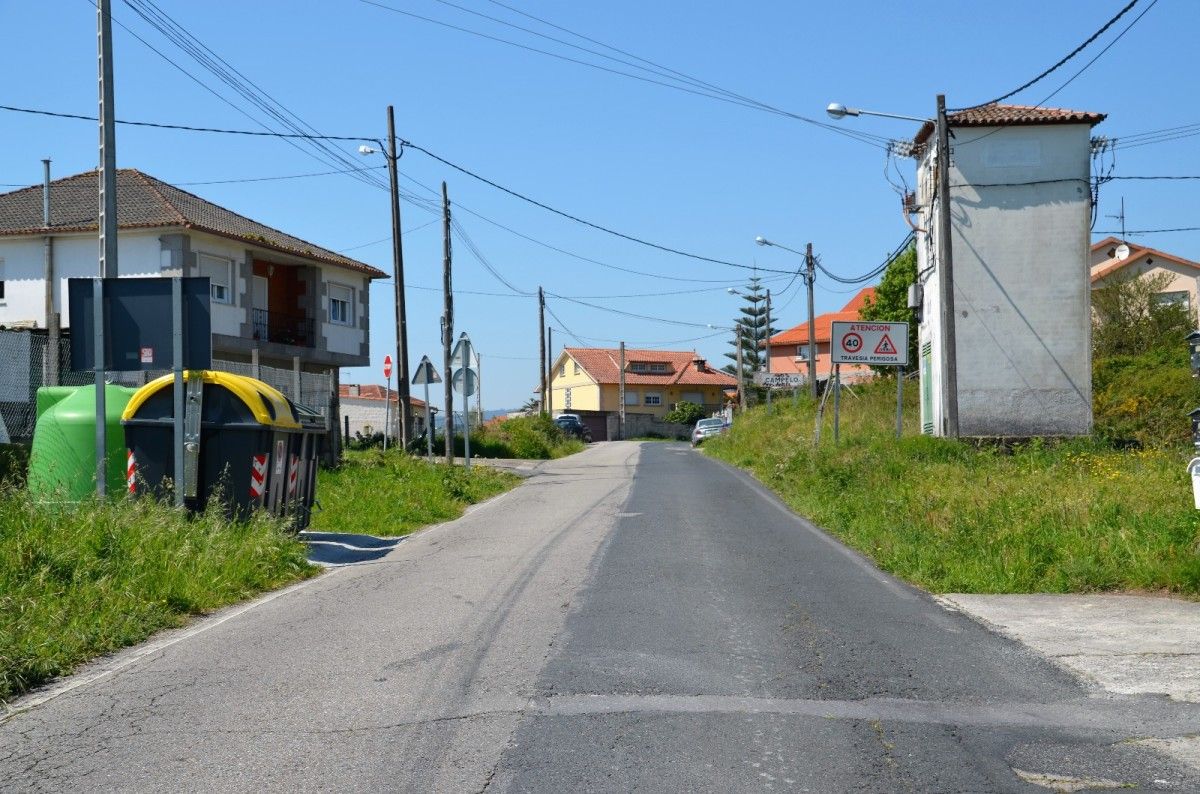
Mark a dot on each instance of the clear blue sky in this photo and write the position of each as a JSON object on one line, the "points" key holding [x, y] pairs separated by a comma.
{"points": [[687, 171]]}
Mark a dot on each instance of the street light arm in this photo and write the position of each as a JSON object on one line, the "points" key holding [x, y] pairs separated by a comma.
{"points": [[765, 241], [839, 111]]}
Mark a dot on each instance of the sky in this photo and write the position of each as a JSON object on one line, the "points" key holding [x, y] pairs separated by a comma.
{"points": [[668, 166]]}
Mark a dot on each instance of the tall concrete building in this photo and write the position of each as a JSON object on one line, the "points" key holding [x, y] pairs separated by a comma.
{"points": [[1020, 207]]}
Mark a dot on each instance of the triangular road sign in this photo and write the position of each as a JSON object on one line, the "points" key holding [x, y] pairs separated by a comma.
{"points": [[463, 345], [426, 373], [885, 346]]}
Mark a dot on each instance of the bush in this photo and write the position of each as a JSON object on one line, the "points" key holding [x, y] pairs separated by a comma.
{"points": [[523, 437], [685, 413], [1145, 398]]}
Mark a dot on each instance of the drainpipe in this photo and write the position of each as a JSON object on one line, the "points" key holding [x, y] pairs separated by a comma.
{"points": [[50, 377]]}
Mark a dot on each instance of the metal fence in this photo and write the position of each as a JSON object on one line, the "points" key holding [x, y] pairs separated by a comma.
{"points": [[25, 366]]}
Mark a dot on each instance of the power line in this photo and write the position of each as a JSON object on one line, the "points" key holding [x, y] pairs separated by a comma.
{"points": [[579, 220], [1060, 63], [278, 178], [629, 314], [385, 239], [1153, 231], [876, 271], [716, 93]]}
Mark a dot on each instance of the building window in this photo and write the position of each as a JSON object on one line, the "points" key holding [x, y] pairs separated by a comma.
{"points": [[1168, 299], [576, 367], [1, 282], [562, 370], [631, 397], [219, 271], [658, 367], [637, 366], [341, 305], [652, 398]]}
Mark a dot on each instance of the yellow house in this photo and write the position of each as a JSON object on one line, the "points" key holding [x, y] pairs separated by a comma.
{"points": [[1114, 258], [585, 380]]}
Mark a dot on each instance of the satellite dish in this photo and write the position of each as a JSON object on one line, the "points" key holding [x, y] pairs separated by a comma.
{"points": [[1122, 252]]}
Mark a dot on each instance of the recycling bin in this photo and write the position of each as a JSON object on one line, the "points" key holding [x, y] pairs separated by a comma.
{"points": [[249, 452], [304, 449], [62, 461]]}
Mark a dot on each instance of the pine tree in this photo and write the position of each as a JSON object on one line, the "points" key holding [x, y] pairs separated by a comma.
{"points": [[752, 327]]}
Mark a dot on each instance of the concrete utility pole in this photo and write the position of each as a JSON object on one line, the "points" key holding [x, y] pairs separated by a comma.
{"points": [[479, 386], [946, 275], [621, 393], [542, 350], [107, 225], [50, 378], [402, 377], [447, 330], [809, 277]]}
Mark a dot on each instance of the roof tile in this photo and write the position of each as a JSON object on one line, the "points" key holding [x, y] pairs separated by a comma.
{"points": [[998, 115], [146, 202]]}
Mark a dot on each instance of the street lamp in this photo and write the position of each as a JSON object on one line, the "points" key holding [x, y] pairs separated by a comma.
{"points": [[810, 277], [402, 392], [945, 252]]}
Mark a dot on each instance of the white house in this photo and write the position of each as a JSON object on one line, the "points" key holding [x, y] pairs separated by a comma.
{"points": [[1114, 259], [1020, 207], [365, 410], [276, 299]]}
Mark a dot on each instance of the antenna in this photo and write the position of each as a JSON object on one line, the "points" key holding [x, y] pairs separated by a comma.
{"points": [[1120, 218]]}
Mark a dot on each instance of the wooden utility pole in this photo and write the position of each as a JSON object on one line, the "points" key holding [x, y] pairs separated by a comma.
{"points": [[621, 394], [946, 276], [741, 386], [809, 278], [447, 329], [767, 336], [550, 373], [402, 376], [542, 350]]}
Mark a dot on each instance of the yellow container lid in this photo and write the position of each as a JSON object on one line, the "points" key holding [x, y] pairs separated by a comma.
{"points": [[266, 404]]}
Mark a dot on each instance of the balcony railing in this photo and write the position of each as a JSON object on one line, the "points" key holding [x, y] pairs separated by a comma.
{"points": [[284, 329]]}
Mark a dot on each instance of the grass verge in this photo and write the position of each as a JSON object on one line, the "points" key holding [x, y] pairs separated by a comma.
{"points": [[1071, 516], [79, 581], [390, 494]]}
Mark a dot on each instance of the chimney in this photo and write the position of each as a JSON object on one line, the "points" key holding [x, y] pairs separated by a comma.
{"points": [[353, 389], [701, 364]]}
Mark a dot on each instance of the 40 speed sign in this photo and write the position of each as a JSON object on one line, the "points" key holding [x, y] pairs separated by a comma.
{"points": [[877, 344]]}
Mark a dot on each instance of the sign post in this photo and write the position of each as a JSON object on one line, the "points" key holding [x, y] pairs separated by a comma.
{"points": [[426, 374], [387, 400], [876, 344]]}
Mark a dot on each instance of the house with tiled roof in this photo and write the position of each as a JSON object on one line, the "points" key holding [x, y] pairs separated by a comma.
{"points": [[1019, 203], [368, 407], [789, 349], [586, 381], [1114, 259], [277, 300]]}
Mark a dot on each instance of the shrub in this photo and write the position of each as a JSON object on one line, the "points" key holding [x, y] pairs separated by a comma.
{"points": [[685, 413]]}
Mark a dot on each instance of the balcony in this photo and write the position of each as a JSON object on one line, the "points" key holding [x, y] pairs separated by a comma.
{"points": [[283, 329]]}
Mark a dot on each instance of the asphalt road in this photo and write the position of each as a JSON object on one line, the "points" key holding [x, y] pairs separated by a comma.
{"points": [[633, 618]]}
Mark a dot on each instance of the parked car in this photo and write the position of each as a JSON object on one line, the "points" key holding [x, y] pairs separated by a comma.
{"points": [[707, 428], [572, 425]]}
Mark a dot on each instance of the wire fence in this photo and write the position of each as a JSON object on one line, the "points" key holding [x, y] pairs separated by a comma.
{"points": [[26, 365]]}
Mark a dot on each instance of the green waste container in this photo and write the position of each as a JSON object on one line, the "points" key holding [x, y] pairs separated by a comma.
{"points": [[252, 450], [62, 462]]}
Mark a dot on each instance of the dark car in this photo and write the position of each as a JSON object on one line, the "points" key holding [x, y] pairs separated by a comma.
{"points": [[572, 425]]}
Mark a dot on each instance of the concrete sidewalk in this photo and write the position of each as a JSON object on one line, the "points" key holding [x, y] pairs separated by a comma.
{"points": [[1123, 644]]}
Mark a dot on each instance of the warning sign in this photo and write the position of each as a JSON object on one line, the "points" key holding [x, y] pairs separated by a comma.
{"points": [[877, 344]]}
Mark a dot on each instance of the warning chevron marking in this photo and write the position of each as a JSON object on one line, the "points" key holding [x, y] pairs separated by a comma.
{"points": [[885, 347]]}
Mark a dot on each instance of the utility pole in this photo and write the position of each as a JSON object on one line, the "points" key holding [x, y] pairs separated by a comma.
{"points": [[52, 357], [737, 334], [810, 277], [550, 373], [447, 330], [107, 225], [402, 378], [621, 394], [767, 333], [946, 276], [542, 350], [479, 386]]}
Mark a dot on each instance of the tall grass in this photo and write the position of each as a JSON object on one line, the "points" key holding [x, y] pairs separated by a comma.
{"points": [[81, 580], [522, 437], [1068, 516], [390, 493]]}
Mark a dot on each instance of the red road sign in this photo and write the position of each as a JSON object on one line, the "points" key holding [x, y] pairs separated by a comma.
{"points": [[852, 343], [878, 344], [387, 366]]}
